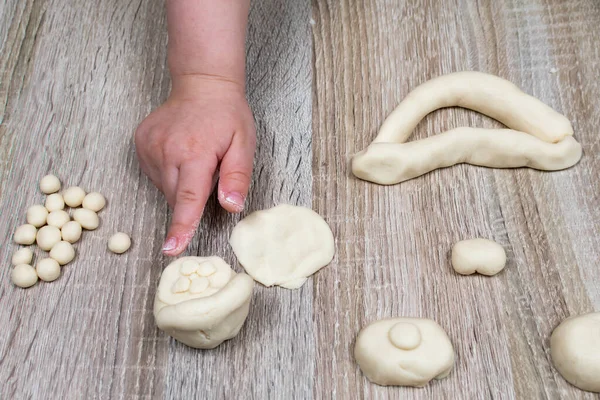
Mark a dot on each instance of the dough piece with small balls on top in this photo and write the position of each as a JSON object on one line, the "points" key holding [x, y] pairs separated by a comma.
{"points": [[49, 184], [201, 301]]}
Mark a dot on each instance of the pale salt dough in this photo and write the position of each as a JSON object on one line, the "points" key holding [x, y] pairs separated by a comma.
{"points": [[22, 256], [94, 201], [484, 93], [47, 237], [404, 352], [575, 350], [54, 202], [478, 255], [36, 215], [283, 245], [391, 163], [63, 252], [25, 234], [88, 219], [119, 243], [74, 196], [201, 301], [71, 231], [389, 160], [49, 184], [47, 269], [24, 275], [58, 218]]}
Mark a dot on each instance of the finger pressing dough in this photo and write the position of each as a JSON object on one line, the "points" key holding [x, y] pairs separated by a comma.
{"points": [[391, 163], [404, 352], [485, 93], [575, 350], [201, 301], [283, 245], [478, 255], [25, 234], [22, 256]]}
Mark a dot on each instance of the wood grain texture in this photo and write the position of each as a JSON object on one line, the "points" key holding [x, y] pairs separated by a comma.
{"points": [[76, 79], [393, 242]]}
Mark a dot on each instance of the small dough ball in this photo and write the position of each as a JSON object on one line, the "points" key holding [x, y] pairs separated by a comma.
{"points": [[23, 275], [478, 255], [49, 184], [94, 201], [22, 256], [48, 269], [88, 219], [575, 350], [47, 237], [25, 234], [36, 215], [119, 243], [58, 218], [63, 252], [404, 352], [71, 231], [54, 202], [74, 196]]}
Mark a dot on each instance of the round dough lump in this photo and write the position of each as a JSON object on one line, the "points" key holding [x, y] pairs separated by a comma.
{"points": [[478, 255], [54, 202], [94, 201], [71, 231], [48, 269], [283, 245], [202, 310], [58, 218], [63, 252], [49, 184], [36, 215], [119, 243], [575, 350], [23, 275], [25, 234], [22, 256], [74, 196], [404, 352], [47, 237], [88, 219]]}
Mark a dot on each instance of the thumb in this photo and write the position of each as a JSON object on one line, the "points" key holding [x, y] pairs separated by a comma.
{"points": [[236, 173]]}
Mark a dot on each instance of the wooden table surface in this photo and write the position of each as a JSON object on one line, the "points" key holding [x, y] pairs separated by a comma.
{"points": [[76, 77]]}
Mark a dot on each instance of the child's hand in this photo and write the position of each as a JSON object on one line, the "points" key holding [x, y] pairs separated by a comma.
{"points": [[205, 123]]}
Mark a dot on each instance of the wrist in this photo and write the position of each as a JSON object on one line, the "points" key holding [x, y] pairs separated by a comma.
{"points": [[193, 84]]}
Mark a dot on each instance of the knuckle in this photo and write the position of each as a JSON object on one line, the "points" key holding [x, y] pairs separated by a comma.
{"points": [[238, 176], [188, 196]]}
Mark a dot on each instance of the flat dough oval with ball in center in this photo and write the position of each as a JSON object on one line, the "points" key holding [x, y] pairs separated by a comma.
{"points": [[283, 245]]}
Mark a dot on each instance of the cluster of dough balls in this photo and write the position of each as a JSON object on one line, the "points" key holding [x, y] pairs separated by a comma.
{"points": [[50, 226]]}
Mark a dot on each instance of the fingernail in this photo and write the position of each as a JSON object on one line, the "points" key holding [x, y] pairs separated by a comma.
{"points": [[170, 244], [235, 199]]}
